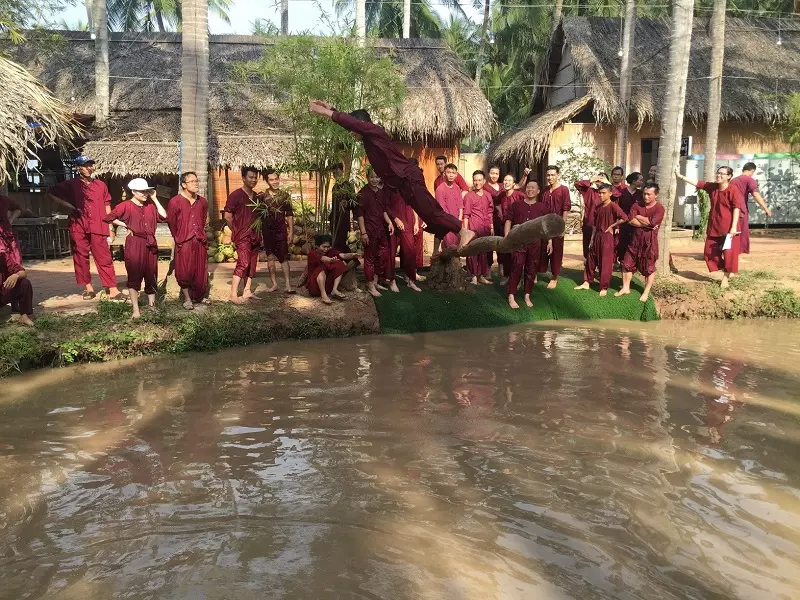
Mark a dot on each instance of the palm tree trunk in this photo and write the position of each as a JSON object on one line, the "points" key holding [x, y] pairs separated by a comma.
{"points": [[194, 90], [101, 94], [406, 19], [160, 20], [284, 17], [717, 25], [484, 42], [672, 120], [625, 83], [361, 24]]}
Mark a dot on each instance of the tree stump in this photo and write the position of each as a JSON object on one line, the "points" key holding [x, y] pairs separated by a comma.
{"points": [[446, 273]]}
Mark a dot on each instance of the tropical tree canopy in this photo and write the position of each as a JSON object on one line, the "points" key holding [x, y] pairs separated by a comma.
{"points": [[155, 15]]}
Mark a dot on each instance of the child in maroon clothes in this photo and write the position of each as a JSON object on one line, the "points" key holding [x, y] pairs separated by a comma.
{"points": [[607, 217], [376, 227], [478, 217], [529, 256], [326, 266], [727, 204], [641, 253], [140, 215]]}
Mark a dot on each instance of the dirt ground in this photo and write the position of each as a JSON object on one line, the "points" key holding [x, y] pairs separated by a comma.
{"points": [[774, 256]]}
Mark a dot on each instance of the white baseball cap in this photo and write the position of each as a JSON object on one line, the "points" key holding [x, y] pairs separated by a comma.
{"points": [[139, 185]]}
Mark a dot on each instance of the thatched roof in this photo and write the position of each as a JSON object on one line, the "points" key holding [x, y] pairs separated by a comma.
{"points": [[441, 102], [754, 65], [755, 68], [29, 118]]}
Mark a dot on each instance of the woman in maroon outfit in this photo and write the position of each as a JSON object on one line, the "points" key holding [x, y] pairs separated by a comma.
{"points": [[140, 215], [630, 195]]}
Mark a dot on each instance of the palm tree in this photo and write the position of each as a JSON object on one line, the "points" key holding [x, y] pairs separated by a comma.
{"points": [[672, 120], [717, 25], [626, 68], [101, 92], [194, 90], [461, 36], [284, 17], [484, 42], [155, 15], [385, 19]]}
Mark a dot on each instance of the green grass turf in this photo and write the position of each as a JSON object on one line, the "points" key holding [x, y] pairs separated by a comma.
{"points": [[486, 306]]}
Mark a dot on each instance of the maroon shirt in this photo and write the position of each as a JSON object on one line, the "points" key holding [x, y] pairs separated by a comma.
{"points": [[280, 207], [89, 199], [629, 198], [746, 186], [591, 199], [479, 209], [141, 221], [186, 220], [723, 203], [399, 209], [654, 214], [459, 181], [558, 201], [620, 187], [449, 198], [504, 202], [645, 239], [315, 260], [371, 205], [383, 154], [243, 218], [522, 212], [606, 216]]}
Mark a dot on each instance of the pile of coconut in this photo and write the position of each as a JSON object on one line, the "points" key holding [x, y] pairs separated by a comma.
{"points": [[220, 247]]}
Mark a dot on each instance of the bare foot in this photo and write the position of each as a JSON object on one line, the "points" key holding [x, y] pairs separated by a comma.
{"points": [[378, 286], [25, 320], [622, 292], [474, 281], [584, 286], [250, 296], [136, 316], [528, 301], [512, 302], [603, 292], [272, 288], [338, 295], [724, 283], [504, 281], [393, 286], [413, 286], [373, 292], [421, 277], [238, 299], [644, 297], [465, 236], [485, 281], [327, 300], [552, 285]]}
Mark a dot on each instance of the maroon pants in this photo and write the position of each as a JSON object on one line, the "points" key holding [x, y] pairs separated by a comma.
{"points": [[247, 263], [332, 271], [417, 196], [601, 257], [191, 268], [587, 237], [20, 297], [376, 256], [141, 263], [744, 233], [419, 246], [478, 265], [555, 260], [527, 258], [719, 260], [277, 245], [408, 254], [644, 263], [624, 240], [82, 244]]}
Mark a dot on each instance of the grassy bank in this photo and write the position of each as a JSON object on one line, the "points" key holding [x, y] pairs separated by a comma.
{"points": [[110, 334], [486, 306]]}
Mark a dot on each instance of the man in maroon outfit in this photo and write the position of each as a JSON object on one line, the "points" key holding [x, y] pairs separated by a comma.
{"points": [[88, 201], [722, 240], [396, 170], [591, 199], [404, 221], [558, 201], [240, 216], [326, 266], [15, 288], [451, 198], [747, 186], [441, 165], [140, 215], [630, 196], [187, 214], [277, 228], [641, 253], [479, 217], [376, 227], [529, 256], [607, 217], [618, 179], [502, 204]]}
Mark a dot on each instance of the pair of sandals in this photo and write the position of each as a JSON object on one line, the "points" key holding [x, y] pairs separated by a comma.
{"points": [[189, 305]]}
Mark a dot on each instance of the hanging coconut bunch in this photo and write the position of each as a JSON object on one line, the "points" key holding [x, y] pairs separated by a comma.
{"points": [[221, 248]]}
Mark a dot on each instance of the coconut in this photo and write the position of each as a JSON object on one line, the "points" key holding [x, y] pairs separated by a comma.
{"points": [[219, 257], [228, 251]]}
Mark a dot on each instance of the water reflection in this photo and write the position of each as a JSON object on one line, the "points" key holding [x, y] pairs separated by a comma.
{"points": [[541, 462]]}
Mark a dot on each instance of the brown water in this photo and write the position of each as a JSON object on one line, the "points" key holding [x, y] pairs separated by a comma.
{"points": [[559, 461]]}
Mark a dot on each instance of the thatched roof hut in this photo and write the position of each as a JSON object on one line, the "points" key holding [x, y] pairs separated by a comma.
{"points": [[758, 73], [442, 102], [30, 118]]}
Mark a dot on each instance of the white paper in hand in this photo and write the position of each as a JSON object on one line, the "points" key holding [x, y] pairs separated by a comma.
{"points": [[728, 242]]}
